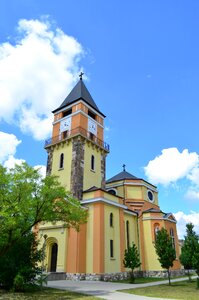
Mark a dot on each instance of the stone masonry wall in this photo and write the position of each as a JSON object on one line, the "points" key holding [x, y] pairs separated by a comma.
{"points": [[103, 170], [77, 167], [49, 162]]}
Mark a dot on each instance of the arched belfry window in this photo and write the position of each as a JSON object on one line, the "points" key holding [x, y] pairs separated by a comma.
{"points": [[61, 161], [111, 220], [92, 162], [127, 235]]}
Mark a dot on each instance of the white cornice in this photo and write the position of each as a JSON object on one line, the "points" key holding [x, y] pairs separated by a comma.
{"points": [[130, 213], [131, 183], [162, 219], [81, 101], [104, 200]]}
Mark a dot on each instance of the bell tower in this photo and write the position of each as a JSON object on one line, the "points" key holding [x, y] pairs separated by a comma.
{"points": [[77, 151]]}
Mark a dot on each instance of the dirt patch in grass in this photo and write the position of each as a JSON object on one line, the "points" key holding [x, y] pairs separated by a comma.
{"points": [[178, 290], [46, 293]]}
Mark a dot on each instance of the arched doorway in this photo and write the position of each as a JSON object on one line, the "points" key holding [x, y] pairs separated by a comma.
{"points": [[53, 263]]}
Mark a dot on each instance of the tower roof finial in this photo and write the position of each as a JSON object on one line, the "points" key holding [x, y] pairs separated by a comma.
{"points": [[124, 168], [80, 75]]}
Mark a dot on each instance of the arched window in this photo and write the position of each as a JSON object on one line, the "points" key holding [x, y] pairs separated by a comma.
{"points": [[127, 234], [53, 263], [61, 161], [113, 192], [111, 219], [92, 162], [111, 249], [156, 229], [172, 237]]}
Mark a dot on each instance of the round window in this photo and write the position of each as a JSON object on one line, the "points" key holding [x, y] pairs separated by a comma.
{"points": [[150, 196]]}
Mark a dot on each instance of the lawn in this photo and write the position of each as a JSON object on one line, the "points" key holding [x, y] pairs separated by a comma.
{"points": [[183, 290], [46, 293], [140, 280]]}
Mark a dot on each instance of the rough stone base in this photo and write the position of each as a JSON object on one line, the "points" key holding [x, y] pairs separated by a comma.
{"points": [[56, 276], [112, 276], [122, 275], [163, 274]]}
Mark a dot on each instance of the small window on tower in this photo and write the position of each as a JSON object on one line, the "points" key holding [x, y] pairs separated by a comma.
{"points": [[91, 114], [61, 161], [67, 113], [92, 162], [65, 134]]}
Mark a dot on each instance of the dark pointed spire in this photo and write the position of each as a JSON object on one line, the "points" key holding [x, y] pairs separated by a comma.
{"points": [[79, 92]]}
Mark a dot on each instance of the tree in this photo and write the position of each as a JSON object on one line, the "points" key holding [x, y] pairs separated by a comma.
{"points": [[189, 248], [19, 265], [132, 260], [26, 199], [165, 250], [196, 262]]}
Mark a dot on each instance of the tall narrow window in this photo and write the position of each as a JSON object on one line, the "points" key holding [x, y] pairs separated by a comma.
{"points": [[61, 161], [92, 162], [156, 229], [111, 249], [172, 237], [127, 234], [111, 219]]}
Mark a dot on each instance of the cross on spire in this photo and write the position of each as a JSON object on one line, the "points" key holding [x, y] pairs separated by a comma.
{"points": [[80, 75], [124, 167]]}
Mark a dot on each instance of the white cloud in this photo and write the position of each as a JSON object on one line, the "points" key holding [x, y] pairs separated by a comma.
{"points": [[171, 166], [183, 219], [36, 73], [41, 169], [12, 161], [192, 193], [8, 145]]}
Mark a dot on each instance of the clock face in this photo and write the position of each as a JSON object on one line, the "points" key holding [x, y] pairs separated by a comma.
{"points": [[65, 124], [92, 127]]}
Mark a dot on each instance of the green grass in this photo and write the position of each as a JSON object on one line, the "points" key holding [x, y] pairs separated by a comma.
{"points": [[46, 293], [183, 290], [140, 280]]}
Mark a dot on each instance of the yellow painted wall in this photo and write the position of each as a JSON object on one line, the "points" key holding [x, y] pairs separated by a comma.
{"points": [[112, 233], [64, 175], [111, 197], [151, 261], [155, 195], [88, 195], [55, 235], [134, 192], [91, 178], [133, 232], [89, 241]]}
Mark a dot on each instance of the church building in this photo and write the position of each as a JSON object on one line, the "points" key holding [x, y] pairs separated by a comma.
{"points": [[121, 210]]}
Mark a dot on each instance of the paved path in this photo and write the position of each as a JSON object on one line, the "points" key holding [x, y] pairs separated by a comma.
{"points": [[106, 290]]}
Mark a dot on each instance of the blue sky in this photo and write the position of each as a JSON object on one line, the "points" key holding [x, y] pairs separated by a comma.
{"points": [[141, 64]]}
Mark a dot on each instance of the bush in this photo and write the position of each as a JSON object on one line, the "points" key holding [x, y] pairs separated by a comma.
{"points": [[19, 283], [19, 266]]}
